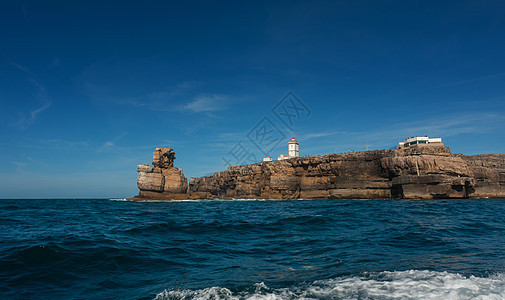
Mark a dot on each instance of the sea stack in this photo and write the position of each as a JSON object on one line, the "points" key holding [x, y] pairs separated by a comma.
{"points": [[162, 181]]}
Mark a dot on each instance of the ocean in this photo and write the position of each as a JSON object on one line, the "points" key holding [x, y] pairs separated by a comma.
{"points": [[243, 249]]}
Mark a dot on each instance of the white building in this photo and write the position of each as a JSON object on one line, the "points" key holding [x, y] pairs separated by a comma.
{"points": [[283, 157], [293, 148], [417, 140], [268, 158]]}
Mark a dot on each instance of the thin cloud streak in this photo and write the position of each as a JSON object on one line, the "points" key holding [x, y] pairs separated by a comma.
{"points": [[19, 164], [21, 68], [34, 113], [472, 80], [206, 104], [308, 136], [56, 144], [28, 161], [25, 120], [112, 143], [169, 100]]}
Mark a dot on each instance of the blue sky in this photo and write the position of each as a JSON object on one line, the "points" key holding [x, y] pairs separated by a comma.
{"points": [[88, 89]]}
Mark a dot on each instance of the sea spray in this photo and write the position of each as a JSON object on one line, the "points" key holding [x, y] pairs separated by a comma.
{"points": [[412, 284]]}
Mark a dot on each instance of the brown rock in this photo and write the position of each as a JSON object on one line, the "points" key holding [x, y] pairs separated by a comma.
{"points": [[163, 157], [163, 181], [175, 182], [150, 181], [422, 172]]}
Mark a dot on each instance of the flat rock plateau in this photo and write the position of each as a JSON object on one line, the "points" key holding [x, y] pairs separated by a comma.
{"points": [[416, 172]]}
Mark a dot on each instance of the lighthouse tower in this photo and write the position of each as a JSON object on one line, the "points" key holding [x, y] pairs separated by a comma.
{"points": [[293, 148]]}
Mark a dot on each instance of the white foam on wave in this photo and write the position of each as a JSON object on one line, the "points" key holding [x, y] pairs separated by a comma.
{"points": [[413, 284]]}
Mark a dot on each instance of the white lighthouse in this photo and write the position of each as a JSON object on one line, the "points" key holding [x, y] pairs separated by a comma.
{"points": [[293, 148]]}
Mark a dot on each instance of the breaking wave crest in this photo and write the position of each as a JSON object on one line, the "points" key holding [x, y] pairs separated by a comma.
{"points": [[413, 284]]}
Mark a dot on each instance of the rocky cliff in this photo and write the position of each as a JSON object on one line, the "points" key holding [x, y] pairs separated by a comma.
{"points": [[162, 180], [418, 172]]}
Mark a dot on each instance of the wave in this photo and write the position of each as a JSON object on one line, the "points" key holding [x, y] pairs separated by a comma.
{"points": [[413, 284]]}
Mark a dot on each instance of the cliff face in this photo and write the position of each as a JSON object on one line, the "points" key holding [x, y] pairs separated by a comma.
{"points": [[413, 173], [488, 171]]}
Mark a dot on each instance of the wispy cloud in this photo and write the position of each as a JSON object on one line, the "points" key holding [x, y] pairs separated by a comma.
{"points": [[165, 99], [73, 145], [179, 89], [172, 99], [226, 140], [19, 164], [108, 145], [27, 162], [162, 102], [308, 136], [206, 103], [28, 118], [388, 135], [471, 80], [21, 68], [442, 126]]}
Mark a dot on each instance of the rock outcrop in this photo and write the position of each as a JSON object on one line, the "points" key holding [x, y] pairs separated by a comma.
{"points": [[162, 181], [417, 172], [488, 172]]}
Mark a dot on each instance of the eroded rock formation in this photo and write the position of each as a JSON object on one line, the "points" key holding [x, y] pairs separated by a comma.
{"points": [[420, 172], [163, 180]]}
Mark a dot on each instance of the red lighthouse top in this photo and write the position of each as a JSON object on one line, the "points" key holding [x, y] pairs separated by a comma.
{"points": [[293, 140]]}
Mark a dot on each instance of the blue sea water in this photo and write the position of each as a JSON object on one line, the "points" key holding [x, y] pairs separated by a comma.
{"points": [[312, 249]]}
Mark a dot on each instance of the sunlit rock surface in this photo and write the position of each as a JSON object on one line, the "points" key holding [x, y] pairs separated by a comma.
{"points": [[162, 181], [418, 172]]}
